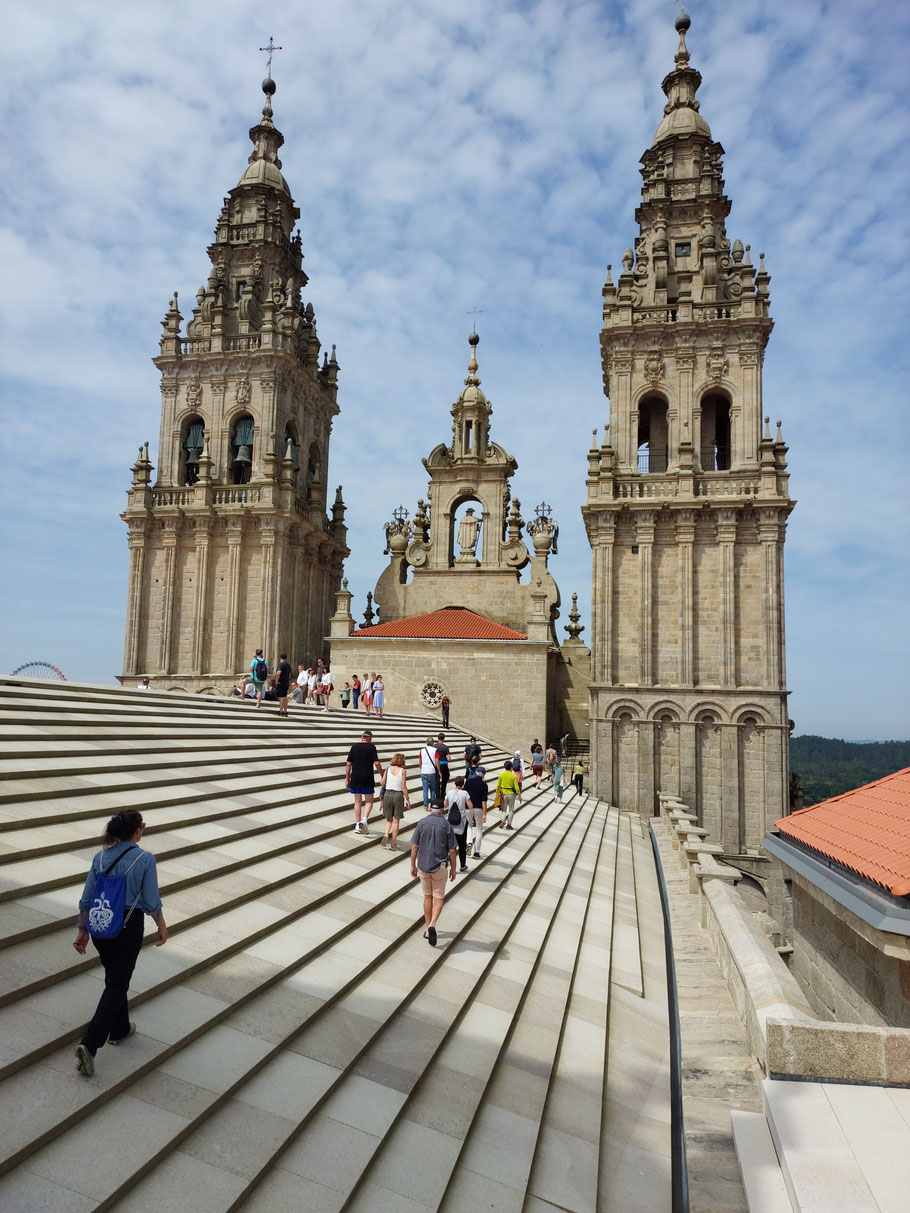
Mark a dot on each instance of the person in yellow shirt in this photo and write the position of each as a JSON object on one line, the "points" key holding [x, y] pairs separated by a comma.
{"points": [[508, 788]]}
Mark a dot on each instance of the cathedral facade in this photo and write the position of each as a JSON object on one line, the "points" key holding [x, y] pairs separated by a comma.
{"points": [[232, 545], [687, 502]]}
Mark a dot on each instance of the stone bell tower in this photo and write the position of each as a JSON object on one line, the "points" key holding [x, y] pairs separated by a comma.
{"points": [[465, 543], [687, 501], [231, 547]]}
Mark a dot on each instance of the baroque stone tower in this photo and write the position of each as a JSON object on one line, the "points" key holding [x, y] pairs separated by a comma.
{"points": [[465, 544], [687, 501], [231, 548]]}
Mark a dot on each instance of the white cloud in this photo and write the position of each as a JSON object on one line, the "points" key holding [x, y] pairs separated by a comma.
{"points": [[443, 159]]}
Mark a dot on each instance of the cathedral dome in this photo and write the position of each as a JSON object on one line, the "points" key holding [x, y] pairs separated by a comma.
{"points": [[682, 121], [264, 172]]}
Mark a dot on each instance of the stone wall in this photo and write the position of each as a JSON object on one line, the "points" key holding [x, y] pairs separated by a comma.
{"points": [[498, 689], [848, 970]]}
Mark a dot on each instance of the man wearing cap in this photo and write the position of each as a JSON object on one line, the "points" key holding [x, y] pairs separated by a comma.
{"points": [[358, 778], [433, 862]]}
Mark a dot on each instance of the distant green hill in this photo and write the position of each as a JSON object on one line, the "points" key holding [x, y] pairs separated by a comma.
{"points": [[829, 767]]}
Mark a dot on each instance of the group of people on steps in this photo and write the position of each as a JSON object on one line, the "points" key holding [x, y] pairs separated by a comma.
{"points": [[121, 887]]}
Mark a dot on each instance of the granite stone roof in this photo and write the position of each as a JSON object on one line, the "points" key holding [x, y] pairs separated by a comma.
{"points": [[867, 830], [449, 623]]}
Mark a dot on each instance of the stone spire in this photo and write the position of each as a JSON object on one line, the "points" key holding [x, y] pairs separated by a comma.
{"points": [[681, 114], [471, 414]]}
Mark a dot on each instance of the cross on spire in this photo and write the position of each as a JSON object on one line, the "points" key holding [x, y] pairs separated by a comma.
{"points": [[271, 48], [475, 312]]}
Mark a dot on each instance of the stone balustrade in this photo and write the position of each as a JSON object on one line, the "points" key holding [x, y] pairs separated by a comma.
{"points": [[785, 1035]]}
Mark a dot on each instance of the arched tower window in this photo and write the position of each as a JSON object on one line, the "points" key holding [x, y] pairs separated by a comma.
{"points": [[715, 434], [652, 435], [242, 450], [192, 448]]}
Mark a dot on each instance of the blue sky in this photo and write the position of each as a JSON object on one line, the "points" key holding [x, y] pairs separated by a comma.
{"points": [[445, 158]]}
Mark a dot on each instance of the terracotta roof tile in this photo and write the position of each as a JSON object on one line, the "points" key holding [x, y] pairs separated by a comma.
{"points": [[450, 623], [867, 830]]}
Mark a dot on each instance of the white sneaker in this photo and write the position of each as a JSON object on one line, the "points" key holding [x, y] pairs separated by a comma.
{"points": [[363, 828], [356, 827]]}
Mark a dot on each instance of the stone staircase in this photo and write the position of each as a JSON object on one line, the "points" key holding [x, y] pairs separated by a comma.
{"points": [[299, 1045]]}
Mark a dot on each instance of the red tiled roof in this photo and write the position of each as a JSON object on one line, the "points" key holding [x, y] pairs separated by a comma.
{"points": [[451, 623], [866, 830]]}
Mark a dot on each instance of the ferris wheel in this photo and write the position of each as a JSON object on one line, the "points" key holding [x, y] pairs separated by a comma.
{"points": [[39, 669]]}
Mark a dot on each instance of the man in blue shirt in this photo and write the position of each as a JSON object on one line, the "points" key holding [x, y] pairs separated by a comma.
{"points": [[433, 861]]}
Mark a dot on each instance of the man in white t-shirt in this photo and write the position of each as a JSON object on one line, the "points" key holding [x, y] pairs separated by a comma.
{"points": [[429, 771], [299, 691]]}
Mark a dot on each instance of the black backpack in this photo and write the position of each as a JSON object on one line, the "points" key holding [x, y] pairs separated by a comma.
{"points": [[261, 669], [454, 814]]}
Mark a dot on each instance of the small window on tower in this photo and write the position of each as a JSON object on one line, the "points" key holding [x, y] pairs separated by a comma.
{"points": [[684, 249], [238, 288], [468, 427]]}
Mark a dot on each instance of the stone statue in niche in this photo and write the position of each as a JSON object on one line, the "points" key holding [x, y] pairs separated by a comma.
{"points": [[468, 530]]}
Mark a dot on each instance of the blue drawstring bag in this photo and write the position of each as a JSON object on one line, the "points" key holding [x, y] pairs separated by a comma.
{"points": [[105, 918]]}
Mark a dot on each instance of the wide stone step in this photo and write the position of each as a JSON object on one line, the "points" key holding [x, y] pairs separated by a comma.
{"points": [[635, 1161], [228, 878], [379, 1071], [309, 957]]}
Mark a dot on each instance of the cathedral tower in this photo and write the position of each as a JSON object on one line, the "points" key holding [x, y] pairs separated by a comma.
{"points": [[231, 547], [687, 501], [465, 544]]}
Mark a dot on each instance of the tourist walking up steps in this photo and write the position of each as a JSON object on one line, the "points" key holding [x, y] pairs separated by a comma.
{"points": [[283, 683], [578, 775], [558, 773], [120, 889], [442, 756], [433, 861], [457, 803], [358, 778], [429, 771], [479, 793], [394, 800], [259, 672], [508, 788]]}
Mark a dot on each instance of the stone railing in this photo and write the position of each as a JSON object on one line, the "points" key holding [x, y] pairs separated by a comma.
{"points": [[236, 496], [177, 497], [785, 1035]]}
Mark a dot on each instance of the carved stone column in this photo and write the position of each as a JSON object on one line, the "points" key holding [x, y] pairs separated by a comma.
{"points": [[726, 538], [135, 598], [644, 535], [235, 557], [203, 529], [602, 646], [772, 639], [168, 593], [685, 541]]}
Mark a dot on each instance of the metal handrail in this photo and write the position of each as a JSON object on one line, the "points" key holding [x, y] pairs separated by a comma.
{"points": [[679, 1166]]}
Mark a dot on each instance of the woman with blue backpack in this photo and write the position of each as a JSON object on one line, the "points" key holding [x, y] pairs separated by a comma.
{"points": [[120, 889]]}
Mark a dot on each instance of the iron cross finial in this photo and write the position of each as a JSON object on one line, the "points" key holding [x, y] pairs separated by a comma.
{"points": [[271, 48], [475, 312]]}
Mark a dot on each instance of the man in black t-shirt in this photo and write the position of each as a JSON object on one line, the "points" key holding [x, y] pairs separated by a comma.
{"points": [[283, 683], [442, 753], [358, 779], [479, 792], [472, 756]]}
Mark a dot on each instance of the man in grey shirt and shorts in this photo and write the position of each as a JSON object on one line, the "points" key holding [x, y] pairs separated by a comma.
{"points": [[433, 861]]}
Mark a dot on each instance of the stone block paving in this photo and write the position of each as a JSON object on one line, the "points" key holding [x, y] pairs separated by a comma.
{"points": [[299, 1044], [719, 1072]]}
